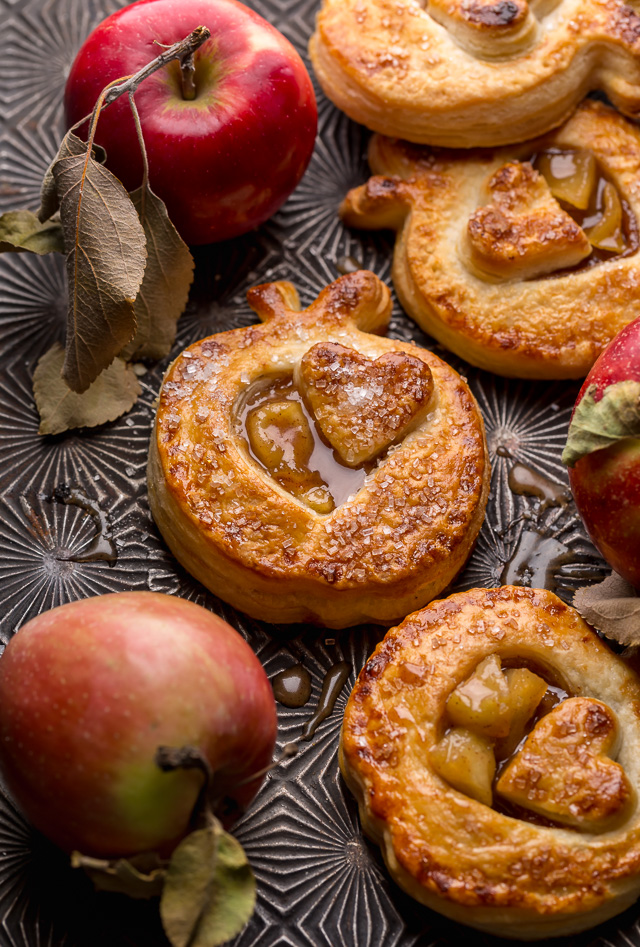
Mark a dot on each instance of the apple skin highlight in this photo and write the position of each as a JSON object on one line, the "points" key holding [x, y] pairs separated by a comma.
{"points": [[225, 161]]}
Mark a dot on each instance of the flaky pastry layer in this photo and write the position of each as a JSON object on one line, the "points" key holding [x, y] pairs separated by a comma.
{"points": [[388, 549], [550, 326], [467, 74], [460, 857]]}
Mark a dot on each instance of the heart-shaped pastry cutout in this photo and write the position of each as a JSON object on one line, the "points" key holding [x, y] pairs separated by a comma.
{"points": [[523, 232], [363, 405], [564, 772]]}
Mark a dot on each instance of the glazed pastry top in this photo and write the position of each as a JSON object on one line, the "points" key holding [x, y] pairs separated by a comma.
{"points": [[491, 741], [473, 74], [313, 450], [524, 260]]}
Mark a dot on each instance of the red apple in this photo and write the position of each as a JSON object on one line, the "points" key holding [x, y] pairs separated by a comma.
{"points": [[226, 160], [603, 453], [90, 690]]}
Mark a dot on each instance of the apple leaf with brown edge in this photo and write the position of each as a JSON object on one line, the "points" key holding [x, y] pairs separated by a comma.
{"points": [[600, 423], [613, 607], [168, 275], [114, 391], [49, 200], [141, 876], [22, 232], [210, 890], [106, 255]]}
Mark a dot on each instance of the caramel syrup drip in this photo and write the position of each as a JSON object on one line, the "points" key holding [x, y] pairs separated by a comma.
{"points": [[334, 680], [292, 687], [526, 481], [535, 560], [102, 547]]}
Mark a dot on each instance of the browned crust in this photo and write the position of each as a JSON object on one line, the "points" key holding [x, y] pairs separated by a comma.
{"points": [[387, 550], [523, 232], [458, 856], [538, 328], [564, 772], [407, 389], [462, 75]]}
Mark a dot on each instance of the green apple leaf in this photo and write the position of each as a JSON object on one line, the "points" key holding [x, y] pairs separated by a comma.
{"points": [[21, 231], [613, 607], [599, 424], [110, 395], [210, 890], [167, 278], [106, 255], [140, 877]]}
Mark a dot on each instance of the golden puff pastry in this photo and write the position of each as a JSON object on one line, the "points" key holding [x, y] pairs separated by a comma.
{"points": [[493, 744], [307, 469], [523, 260], [474, 73]]}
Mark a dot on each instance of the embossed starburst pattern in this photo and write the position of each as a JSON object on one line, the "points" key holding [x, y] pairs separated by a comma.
{"points": [[321, 884]]}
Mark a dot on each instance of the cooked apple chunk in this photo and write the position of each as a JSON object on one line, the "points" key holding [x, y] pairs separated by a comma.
{"points": [[467, 762], [526, 690], [607, 233], [280, 435], [497, 704], [570, 174], [481, 703], [317, 496], [281, 439]]}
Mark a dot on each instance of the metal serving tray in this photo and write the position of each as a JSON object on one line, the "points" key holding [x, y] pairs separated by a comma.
{"points": [[320, 883]]}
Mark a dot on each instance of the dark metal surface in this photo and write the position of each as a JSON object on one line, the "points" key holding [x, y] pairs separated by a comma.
{"points": [[320, 884]]}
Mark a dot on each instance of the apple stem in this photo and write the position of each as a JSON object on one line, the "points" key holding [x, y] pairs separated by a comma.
{"points": [[182, 51], [127, 85], [188, 73], [143, 153], [169, 758], [288, 751]]}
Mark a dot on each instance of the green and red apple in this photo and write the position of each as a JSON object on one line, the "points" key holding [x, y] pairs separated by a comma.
{"points": [[603, 453], [225, 160], [88, 693]]}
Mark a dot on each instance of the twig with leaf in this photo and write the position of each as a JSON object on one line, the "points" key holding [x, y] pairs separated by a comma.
{"points": [[128, 270]]}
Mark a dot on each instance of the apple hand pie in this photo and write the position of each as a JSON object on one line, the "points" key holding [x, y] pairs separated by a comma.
{"points": [[308, 469], [524, 260], [474, 73], [493, 744]]}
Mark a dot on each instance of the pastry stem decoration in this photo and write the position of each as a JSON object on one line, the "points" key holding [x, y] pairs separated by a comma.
{"points": [[309, 469], [491, 743]]}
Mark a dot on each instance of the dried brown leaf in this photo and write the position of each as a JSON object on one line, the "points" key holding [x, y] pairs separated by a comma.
{"points": [[49, 200], [21, 231], [167, 278], [113, 393], [613, 607], [140, 877], [106, 256]]}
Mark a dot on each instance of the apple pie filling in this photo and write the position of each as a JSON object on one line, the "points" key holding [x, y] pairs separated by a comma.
{"points": [[282, 436], [515, 742], [578, 183], [321, 429]]}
